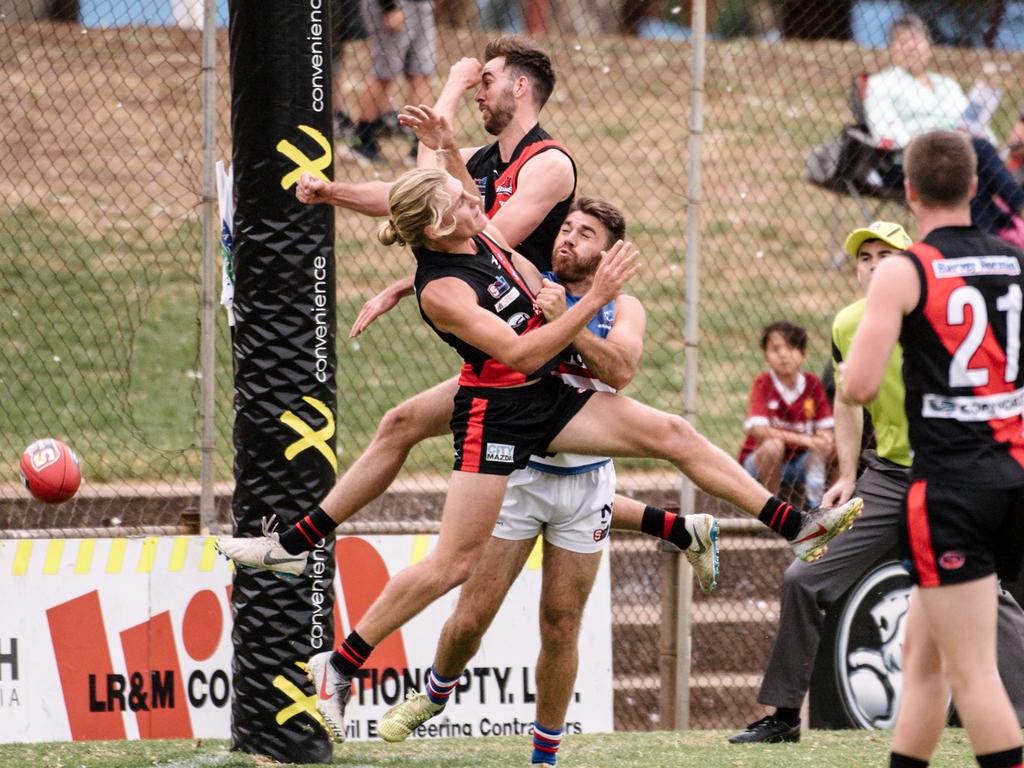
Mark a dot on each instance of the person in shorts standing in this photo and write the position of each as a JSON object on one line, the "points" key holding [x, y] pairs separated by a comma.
{"points": [[403, 42]]}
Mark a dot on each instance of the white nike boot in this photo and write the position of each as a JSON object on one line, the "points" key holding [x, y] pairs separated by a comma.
{"points": [[333, 691], [263, 552], [820, 526], [702, 553]]}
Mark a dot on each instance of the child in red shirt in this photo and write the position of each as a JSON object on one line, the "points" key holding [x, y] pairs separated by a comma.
{"points": [[789, 421]]}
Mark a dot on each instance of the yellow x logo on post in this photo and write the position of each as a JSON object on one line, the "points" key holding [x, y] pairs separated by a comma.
{"points": [[301, 703], [309, 437], [304, 164]]}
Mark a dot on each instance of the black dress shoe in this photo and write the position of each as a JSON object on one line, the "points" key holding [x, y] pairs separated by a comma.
{"points": [[767, 730]]}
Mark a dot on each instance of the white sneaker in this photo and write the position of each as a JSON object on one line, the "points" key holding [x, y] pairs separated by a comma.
{"points": [[820, 525], [263, 551], [333, 690], [703, 550], [405, 717]]}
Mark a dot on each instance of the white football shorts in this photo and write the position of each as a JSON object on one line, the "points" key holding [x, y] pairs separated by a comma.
{"points": [[573, 512]]}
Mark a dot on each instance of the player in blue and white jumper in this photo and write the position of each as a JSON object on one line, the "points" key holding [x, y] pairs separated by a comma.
{"points": [[566, 498]]}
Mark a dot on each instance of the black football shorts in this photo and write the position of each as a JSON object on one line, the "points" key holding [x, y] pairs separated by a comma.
{"points": [[951, 535], [497, 429]]}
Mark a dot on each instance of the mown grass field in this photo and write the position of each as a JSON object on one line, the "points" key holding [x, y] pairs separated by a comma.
{"points": [[707, 749], [100, 233]]}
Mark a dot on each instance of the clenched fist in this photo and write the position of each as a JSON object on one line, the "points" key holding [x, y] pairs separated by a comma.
{"points": [[551, 300]]}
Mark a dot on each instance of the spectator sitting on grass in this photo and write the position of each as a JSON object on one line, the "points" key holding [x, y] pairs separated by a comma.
{"points": [[789, 422]]}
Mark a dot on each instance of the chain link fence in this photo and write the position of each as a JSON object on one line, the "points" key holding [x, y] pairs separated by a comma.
{"points": [[101, 240], [100, 231], [771, 250]]}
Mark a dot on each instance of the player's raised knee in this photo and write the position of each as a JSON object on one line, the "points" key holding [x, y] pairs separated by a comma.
{"points": [[401, 425], [674, 437]]}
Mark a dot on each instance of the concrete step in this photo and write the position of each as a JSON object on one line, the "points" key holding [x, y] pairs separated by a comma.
{"points": [[717, 700], [706, 612], [736, 640], [750, 567]]}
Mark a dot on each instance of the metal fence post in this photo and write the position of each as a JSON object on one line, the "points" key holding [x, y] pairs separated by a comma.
{"points": [[211, 237], [669, 649], [687, 496], [675, 651]]}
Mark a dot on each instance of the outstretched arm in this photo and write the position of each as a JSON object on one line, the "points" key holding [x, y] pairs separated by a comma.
{"points": [[369, 198], [463, 76], [452, 306], [435, 133], [380, 304]]}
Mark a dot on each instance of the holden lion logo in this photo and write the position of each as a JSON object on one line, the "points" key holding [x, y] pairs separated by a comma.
{"points": [[869, 647]]}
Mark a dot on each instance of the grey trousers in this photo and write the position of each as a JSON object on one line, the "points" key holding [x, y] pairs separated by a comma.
{"points": [[808, 589]]}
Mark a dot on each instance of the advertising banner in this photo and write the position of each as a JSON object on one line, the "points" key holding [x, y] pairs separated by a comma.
{"points": [[131, 638]]}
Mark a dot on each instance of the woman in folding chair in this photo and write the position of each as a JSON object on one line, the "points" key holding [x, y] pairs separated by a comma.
{"points": [[906, 100]]}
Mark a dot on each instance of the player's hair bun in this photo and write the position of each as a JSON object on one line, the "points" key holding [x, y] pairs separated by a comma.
{"points": [[387, 233]]}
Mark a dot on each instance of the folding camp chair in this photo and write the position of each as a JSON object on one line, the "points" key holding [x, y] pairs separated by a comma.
{"points": [[853, 166]]}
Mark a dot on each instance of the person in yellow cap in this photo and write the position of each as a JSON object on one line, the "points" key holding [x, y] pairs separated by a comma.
{"points": [[867, 247], [808, 590]]}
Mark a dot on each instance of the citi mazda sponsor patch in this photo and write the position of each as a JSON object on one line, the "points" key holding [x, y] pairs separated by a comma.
{"points": [[501, 453]]}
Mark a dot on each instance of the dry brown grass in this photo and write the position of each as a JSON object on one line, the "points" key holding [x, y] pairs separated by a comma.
{"points": [[102, 128]]}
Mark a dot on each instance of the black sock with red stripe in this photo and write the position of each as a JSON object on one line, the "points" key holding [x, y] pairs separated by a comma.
{"points": [[303, 536], [896, 760], [665, 525], [1011, 758], [351, 654], [782, 517]]}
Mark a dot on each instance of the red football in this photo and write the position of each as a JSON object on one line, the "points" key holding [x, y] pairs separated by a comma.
{"points": [[50, 471]]}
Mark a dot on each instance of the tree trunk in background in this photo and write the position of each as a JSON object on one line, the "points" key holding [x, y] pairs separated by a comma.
{"points": [[995, 20], [536, 14], [64, 10], [816, 19], [632, 13], [461, 14]]}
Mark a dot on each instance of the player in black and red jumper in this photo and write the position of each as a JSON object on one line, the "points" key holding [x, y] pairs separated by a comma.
{"points": [[527, 182], [507, 408], [954, 303]]}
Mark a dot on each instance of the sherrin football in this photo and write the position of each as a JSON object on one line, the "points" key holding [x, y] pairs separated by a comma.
{"points": [[49, 469]]}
